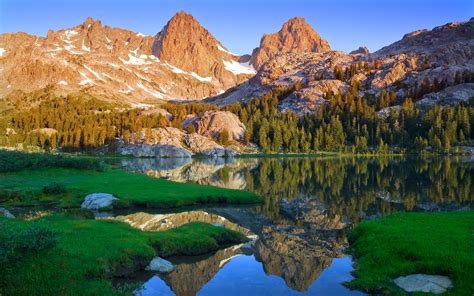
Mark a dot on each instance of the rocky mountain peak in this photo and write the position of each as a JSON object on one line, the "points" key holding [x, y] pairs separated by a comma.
{"points": [[187, 45], [295, 36], [90, 22]]}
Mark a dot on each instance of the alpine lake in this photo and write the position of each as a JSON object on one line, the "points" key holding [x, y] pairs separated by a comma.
{"points": [[310, 203]]}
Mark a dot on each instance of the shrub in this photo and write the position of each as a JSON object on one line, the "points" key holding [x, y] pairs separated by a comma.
{"points": [[54, 188], [16, 241]]}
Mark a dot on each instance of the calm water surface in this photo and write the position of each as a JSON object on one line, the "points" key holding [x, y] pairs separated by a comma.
{"points": [[309, 204]]}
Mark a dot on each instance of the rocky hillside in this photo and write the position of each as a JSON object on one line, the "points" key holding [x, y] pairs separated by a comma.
{"points": [[421, 63], [296, 36], [183, 61]]}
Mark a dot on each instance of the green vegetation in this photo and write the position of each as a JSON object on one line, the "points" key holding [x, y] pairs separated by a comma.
{"points": [[68, 187], [407, 243], [62, 255], [11, 161], [350, 123]]}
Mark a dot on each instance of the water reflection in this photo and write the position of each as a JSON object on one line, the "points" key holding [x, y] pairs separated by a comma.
{"points": [[309, 203], [353, 188], [244, 275]]}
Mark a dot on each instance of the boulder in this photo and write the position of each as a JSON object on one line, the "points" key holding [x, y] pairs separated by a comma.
{"points": [[436, 284], [212, 123], [141, 150], [158, 136], [6, 213], [96, 201], [145, 150], [171, 151], [361, 50], [206, 146], [160, 265]]}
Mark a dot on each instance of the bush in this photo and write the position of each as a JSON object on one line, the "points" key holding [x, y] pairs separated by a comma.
{"points": [[54, 188], [18, 240]]}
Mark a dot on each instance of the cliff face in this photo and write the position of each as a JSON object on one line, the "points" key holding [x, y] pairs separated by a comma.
{"points": [[296, 36]]}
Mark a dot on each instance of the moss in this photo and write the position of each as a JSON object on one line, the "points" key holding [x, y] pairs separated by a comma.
{"points": [[407, 243]]}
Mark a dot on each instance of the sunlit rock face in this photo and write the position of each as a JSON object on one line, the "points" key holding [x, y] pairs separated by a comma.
{"points": [[296, 36], [439, 54], [183, 61], [161, 222]]}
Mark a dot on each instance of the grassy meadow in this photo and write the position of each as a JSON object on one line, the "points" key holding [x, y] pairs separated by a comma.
{"points": [[407, 243]]}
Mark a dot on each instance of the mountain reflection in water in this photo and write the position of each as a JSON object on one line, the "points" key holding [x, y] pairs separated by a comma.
{"points": [[309, 203], [243, 275]]}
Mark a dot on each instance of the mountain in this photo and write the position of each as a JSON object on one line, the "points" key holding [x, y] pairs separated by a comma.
{"points": [[183, 61], [296, 36], [185, 44], [422, 62]]}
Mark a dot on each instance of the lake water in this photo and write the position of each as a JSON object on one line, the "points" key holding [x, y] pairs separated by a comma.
{"points": [[309, 205]]}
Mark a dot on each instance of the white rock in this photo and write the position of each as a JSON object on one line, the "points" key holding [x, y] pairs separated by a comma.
{"points": [[436, 284], [6, 213], [97, 201], [160, 265]]}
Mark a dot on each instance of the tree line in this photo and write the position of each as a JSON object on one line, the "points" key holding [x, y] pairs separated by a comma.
{"points": [[348, 122]]}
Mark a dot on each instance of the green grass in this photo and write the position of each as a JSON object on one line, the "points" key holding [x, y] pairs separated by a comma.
{"points": [[26, 187], [12, 161], [88, 253], [407, 243]]}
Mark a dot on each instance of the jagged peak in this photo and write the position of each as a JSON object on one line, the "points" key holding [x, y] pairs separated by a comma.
{"points": [[183, 19], [91, 22], [296, 35], [297, 21]]}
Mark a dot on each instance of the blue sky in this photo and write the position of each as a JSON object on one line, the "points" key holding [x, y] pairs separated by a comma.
{"points": [[239, 25]]}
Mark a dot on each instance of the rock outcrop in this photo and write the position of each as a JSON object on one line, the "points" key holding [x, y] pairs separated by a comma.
{"points": [[212, 123], [206, 146], [173, 142], [361, 50], [295, 36], [97, 201], [159, 151], [450, 96]]}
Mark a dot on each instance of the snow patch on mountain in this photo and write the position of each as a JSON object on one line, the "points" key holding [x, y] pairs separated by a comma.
{"points": [[239, 68], [200, 78], [219, 47]]}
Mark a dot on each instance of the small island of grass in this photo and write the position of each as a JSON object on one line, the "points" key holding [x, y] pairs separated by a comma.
{"points": [[408, 243]]}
